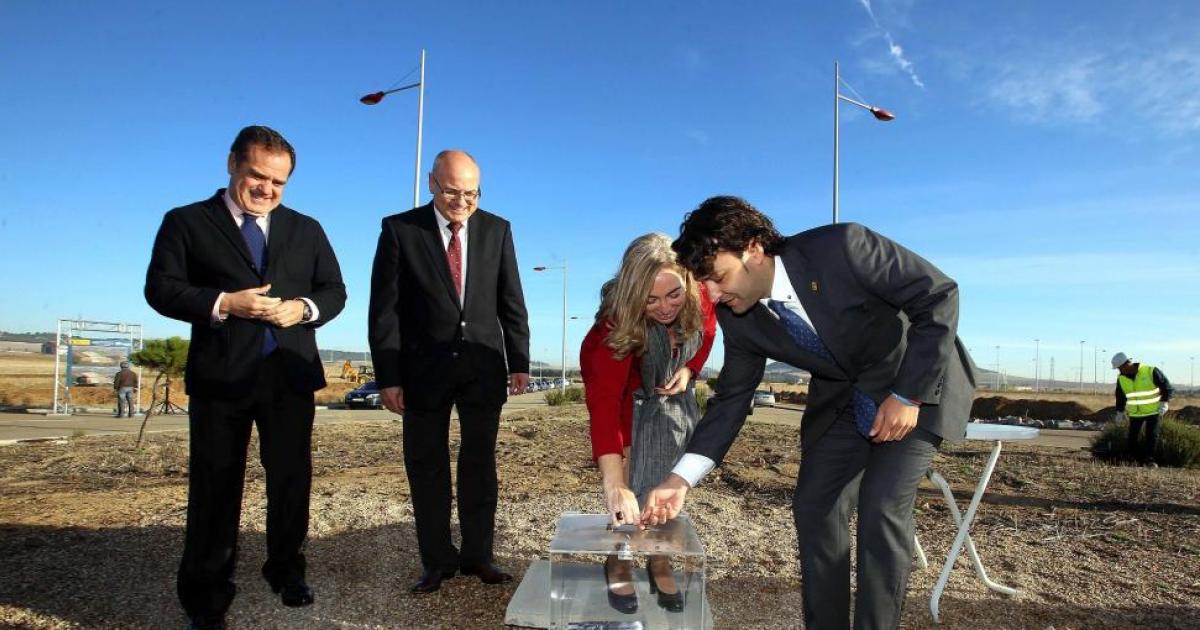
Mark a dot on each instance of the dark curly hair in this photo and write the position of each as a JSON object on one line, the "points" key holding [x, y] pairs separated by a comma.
{"points": [[265, 137], [722, 223]]}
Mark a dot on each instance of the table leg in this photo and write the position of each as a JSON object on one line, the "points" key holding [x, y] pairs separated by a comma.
{"points": [[963, 536], [922, 561]]}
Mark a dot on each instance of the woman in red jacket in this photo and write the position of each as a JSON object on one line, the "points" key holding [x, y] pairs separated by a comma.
{"points": [[653, 332]]}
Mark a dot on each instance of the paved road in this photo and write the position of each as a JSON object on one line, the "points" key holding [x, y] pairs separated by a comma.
{"points": [[30, 426]]}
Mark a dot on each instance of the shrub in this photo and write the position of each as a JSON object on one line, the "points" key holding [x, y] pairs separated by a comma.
{"points": [[557, 396], [1178, 443], [702, 396]]}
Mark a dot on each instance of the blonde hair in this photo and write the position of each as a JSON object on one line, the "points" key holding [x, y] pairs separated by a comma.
{"points": [[623, 298]]}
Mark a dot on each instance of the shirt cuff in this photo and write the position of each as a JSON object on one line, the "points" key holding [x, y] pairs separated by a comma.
{"points": [[312, 306], [692, 467], [217, 317], [907, 402]]}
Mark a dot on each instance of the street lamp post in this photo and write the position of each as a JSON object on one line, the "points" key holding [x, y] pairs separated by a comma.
{"points": [[1081, 366], [564, 319], [997, 368], [1037, 366], [1096, 352], [879, 114], [375, 97]]}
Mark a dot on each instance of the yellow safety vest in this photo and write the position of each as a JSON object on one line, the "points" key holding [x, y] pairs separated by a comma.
{"points": [[1141, 394]]}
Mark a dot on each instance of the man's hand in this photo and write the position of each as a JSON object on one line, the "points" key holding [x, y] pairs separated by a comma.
{"points": [[677, 384], [893, 421], [518, 382], [393, 398], [1119, 416], [249, 303], [286, 313], [665, 501], [1163, 407]]}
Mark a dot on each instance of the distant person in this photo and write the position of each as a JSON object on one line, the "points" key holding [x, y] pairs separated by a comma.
{"points": [[1143, 396], [124, 384], [651, 337], [875, 325], [255, 279], [447, 324]]}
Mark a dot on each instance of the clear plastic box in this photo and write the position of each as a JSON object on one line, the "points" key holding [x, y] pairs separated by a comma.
{"points": [[578, 590]]}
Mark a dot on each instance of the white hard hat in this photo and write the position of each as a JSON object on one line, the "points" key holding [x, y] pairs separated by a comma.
{"points": [[1119, 359]]}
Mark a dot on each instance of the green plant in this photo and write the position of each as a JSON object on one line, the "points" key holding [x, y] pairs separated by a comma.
{"points": [[557, 397], [702, 395], [1178, 443], [168, 357]]}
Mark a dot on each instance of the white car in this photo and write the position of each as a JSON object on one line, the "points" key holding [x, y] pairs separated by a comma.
{"points": [[764, 399]]}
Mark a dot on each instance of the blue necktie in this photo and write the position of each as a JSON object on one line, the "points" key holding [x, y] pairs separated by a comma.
{"points": [[807, 339], [256, 241]]}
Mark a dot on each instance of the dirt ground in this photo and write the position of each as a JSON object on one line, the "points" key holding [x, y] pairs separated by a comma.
{"points": [[91, 531]]}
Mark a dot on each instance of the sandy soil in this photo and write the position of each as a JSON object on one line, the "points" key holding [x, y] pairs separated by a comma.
{"points": [[91, 530]]}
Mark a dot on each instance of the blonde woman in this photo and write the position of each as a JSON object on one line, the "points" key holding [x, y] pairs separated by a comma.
{"points": [[652, 334]]}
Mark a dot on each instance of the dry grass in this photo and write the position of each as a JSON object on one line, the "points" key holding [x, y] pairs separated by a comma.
{"points": [[1089, 545]]}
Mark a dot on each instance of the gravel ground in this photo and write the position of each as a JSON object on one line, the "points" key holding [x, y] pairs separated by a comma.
{"points": [[91, 530]]}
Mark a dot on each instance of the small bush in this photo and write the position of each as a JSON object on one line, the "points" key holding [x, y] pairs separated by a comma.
{"points": [[557, 396], [1178, 443]]}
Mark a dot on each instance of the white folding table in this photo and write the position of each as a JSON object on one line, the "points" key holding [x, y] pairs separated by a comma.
{"points": [[998, 433]]}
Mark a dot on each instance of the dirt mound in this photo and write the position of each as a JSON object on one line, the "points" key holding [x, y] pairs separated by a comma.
{"points": [[1189, 415], [991, 407]]}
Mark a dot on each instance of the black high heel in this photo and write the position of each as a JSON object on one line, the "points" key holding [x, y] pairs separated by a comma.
{"points": [[627, 604], [671, 602]]}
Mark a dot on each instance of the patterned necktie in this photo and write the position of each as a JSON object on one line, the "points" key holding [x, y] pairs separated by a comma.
{"points": [[806, 338], [256, 242], [454, 256]]}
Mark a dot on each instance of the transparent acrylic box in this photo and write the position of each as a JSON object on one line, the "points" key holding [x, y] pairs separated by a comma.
{"points": [[578, 591]]}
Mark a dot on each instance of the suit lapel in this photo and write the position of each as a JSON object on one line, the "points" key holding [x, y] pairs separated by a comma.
{"points": [[786, 349], [282, 226], [219, 215], [431, 234]]}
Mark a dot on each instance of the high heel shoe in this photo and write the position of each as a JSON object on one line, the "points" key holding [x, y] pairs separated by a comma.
{"points": [[627, 604], [671, 602]]}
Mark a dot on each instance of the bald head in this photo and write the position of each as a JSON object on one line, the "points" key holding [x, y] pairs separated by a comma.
{"points": [[454, 184]]}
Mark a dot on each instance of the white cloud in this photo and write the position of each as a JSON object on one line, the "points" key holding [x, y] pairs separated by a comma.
{"points": [[1114, 87], [894, 49]]}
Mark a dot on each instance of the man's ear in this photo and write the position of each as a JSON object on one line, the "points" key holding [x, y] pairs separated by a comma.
{"points": [[754, 251], [231, 163]]}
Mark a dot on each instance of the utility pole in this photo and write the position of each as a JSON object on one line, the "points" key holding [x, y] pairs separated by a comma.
{"points": [[1081, 366], [997, 368], [1037, 365]]}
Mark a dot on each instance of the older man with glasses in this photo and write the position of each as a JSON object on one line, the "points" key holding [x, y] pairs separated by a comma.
{"points": [[447, 326]]}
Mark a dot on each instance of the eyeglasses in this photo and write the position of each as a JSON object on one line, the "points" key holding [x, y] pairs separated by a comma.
{"points": [[469, 196]]}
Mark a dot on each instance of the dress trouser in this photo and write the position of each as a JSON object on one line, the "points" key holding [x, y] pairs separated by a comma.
{"points": [[125, 402], [220, 435], [427, 462], [841, 471], [1146, 452]]}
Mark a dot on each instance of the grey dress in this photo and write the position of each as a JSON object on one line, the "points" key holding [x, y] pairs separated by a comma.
{"points": [[662, 425]]}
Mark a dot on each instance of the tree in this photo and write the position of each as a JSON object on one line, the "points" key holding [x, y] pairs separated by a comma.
{"points": [[168, 357]]}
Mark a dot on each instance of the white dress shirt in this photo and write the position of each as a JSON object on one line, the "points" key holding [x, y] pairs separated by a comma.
{"points": [[692, 466]]}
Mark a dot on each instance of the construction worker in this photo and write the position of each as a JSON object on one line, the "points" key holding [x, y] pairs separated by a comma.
{"points": [[1143, 393]]}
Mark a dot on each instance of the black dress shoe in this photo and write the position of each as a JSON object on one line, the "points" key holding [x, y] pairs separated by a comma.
{"points": [[488, 573], [430, 581], [206, 623], [293, 593], [627, 604], [671, 602]]}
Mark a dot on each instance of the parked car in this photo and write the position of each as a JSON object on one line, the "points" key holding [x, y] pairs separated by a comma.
{"points": [[364, 397], [764, 399]]}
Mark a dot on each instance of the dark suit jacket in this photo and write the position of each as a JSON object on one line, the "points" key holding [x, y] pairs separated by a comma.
{"points": [[199, 252], [888, 317], [418, 331]]}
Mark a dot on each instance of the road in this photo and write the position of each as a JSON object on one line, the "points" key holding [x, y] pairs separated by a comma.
{"points": [[16, 427]]}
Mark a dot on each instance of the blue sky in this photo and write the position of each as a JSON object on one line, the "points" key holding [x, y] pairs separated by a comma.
{"points": [[1044, 154]]}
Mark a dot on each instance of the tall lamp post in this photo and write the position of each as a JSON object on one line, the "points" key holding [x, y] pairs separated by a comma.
{"points": [[879, 114], [1096, 352], [564, 319], [1081, 366], [375, 97], [997, 368]]}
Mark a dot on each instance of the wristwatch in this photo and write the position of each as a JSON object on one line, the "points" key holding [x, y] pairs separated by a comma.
{"points": [[307, 316]]}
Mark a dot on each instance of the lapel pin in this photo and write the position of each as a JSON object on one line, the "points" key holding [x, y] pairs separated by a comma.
{"points": [[813, 285]]}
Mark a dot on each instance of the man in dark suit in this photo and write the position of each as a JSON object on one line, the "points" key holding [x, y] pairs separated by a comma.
{"points": [[875, 324], [255, 279], [447, 323]]}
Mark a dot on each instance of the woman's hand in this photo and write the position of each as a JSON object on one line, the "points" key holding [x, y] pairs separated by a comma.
{"points": [[677, 384], [622, 505]]}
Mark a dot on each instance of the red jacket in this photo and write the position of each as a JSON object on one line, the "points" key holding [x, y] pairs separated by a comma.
{"points": [[609, 383]]}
